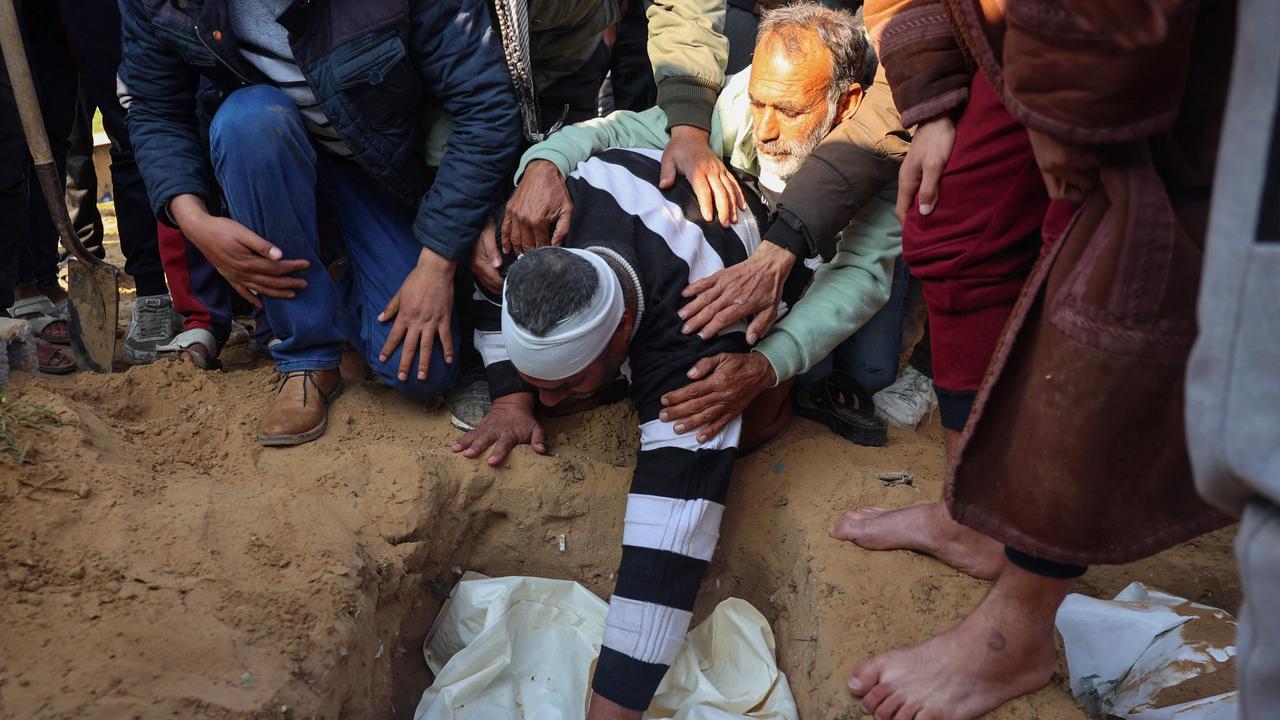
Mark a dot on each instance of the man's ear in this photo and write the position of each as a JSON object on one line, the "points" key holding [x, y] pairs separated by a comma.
{"points": [[850, 101]]}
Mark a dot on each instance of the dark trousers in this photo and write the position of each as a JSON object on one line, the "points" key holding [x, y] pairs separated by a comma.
{"points": [[13, 187], [93, 34], [56, 80], [632, 76], [57, 36], [574, 97], [82, 179], [870, 355]]}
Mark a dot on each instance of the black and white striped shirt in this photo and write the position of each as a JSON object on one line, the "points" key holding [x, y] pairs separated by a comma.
{"points": [[264, 43], [678, 491]]}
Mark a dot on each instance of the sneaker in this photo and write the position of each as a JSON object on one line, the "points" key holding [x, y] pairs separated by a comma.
{"points": [[469, 401], [906, 402], [150, 326]]}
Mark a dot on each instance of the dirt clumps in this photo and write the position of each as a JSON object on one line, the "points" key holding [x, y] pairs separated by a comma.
{"points": [[156, 562]]}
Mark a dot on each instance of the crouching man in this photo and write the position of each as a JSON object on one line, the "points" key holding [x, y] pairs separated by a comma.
{"points": [[302, 120], [569, 319]]}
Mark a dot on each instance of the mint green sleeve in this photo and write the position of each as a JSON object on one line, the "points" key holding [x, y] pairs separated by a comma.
{"points": [[846, 291], [578, 142], [623, 129]]}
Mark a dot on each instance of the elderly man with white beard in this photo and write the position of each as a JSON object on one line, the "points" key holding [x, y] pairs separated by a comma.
{"points": [[802, 83]]}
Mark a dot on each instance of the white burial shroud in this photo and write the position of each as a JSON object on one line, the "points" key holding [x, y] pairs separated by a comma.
{"points": [[522, 648]]}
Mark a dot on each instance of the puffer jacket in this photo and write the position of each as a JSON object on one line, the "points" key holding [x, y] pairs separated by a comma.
{"points": [[381, 70]]}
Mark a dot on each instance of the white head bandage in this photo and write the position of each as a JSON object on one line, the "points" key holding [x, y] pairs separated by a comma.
{"points": [[575, 342]]}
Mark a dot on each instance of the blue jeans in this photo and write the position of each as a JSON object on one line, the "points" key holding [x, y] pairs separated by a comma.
{"points": [[278, 185], [871, 354]]}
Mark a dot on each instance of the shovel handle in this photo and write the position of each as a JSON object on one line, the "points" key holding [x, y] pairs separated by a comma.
{"points": [[24, 94]]}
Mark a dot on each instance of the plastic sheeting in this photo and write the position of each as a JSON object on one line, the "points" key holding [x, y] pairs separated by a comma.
{"points": [[1128, 656], [521, 648]]}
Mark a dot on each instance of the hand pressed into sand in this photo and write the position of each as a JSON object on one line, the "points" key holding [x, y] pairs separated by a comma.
{"points": [[509, 423]]}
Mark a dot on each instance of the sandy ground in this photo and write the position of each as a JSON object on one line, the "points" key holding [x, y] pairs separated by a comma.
{"points": [[156, 562]]}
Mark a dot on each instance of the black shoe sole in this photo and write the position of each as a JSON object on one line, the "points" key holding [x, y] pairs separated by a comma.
{"points": [[865, 436]]}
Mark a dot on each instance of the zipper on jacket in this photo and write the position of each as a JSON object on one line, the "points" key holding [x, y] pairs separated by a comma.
{"points": [[243, 80]]}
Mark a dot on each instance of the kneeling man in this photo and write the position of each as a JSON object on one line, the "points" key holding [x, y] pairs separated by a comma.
{"points": [[570, 318]]}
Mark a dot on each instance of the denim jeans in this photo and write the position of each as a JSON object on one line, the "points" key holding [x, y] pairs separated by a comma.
{"points": [[277, 184], [871, 354]]}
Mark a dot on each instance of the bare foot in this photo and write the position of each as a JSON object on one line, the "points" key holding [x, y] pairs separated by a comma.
{"points": [[604, 709], [926, 529], [1002, 650]]}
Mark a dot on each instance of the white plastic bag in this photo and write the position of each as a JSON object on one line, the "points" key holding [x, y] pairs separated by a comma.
{"points": [[512, 647], [1128, 656], [519, 648]]}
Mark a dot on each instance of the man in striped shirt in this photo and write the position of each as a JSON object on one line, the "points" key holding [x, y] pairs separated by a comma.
{"points": [[569, 319]]}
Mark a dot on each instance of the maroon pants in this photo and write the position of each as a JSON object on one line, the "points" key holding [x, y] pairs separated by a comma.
{"points": [[974, 252]]}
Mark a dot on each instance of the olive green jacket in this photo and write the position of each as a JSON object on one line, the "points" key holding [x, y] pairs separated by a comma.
{"points": [[689, 52], [564, 33]]}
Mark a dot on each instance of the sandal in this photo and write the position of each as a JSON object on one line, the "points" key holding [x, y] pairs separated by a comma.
{"points": [[196, 346], [843, 405], [42, 314], [51, 360]]}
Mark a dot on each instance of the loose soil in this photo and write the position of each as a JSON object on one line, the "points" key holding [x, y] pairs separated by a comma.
{"points": [[155, 561]]}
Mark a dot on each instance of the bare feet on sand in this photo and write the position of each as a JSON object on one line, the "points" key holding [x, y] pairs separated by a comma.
{"points": [[926, 529], [1002, 650], [605, 709]]}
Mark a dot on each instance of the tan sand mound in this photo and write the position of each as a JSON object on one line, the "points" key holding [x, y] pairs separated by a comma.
{"points": [[156, 562]]}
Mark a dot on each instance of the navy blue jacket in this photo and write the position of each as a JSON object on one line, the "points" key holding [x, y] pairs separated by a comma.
{"points": [[381, 70]]}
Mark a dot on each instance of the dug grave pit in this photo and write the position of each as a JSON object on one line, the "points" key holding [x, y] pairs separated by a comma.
{"points": [[156, 562]]}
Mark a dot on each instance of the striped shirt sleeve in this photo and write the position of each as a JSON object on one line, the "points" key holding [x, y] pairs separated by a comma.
{"points": [[669, 535]]}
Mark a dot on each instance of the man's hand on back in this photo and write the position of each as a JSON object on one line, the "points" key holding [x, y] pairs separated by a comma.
{"points": [[509, 423], [751, 287], [539, 211], [724, 386], [689, 153], [422, 311], [252, 265], [485, 260]]}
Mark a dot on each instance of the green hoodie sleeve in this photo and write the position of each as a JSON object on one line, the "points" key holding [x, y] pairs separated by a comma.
{"points": [[845, 292], [623, 129], [578, 142], [689, 53]]}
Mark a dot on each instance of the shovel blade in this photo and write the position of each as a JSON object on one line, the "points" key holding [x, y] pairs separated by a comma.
{"points": [[95, 301]]}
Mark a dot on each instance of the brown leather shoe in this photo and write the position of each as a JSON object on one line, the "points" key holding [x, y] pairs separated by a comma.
{"points": [[300, 411]]}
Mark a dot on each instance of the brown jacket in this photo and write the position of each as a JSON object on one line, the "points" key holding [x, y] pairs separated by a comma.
{"points": [[917, 46], [1076, 448], [855, 162]]}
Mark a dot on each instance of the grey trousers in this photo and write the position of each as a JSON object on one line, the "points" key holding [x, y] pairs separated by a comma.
{"points": [[1233, 378]]}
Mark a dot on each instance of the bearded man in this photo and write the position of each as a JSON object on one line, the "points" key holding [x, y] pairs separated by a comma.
{"points": [[803, 82]]}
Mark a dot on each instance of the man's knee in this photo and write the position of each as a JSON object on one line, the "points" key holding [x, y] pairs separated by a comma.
{"points": [[251, 116], [440, 377]]}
